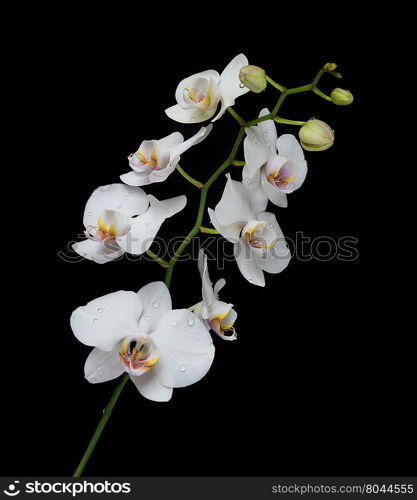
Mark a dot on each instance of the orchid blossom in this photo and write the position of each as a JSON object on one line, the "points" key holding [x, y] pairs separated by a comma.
{"points": [[215, 314], [119, 219], [259, 243], [139, 333], [198, 95], [155, 160], [278, 165]]}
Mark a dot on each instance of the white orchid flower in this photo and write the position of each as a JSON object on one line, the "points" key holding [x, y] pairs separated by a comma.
{"points": [[119, 219], [215, 314], [198, 95], [155, 160], [259, 243], [139, 333], [278, 165]]}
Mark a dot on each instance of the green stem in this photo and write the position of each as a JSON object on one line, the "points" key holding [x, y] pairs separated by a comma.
{"points": [[208, 230], [278, 119], [201, 209], [238, 163], [193, 181], [157, 259], [281, 88], [102, 423], [321, 94], [237, 117]]}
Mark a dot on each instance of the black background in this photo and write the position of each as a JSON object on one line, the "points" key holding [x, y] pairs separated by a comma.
{"points": [[316, 384]]}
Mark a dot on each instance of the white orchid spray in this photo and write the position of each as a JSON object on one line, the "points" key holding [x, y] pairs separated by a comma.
{"points": [[139, 336]]}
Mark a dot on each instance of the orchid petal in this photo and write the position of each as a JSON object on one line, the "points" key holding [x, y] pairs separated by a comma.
{"points": [[234, 205], [190, 115], [269, 131], [127, 200], [186, 349], [256, 153], [207, 287], [288, 146], [248, 265], [218, 286], [99, 252], [171, 140], [102, 366], [144, 228], [149, 386], [105, 321], [230, 232], [156, 301], [177, 150], [230, 84], [136, 178], [277, 258], [257, 197]]}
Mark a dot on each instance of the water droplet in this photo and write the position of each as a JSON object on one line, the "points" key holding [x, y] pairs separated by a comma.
{"points": [[125, 197], [147, 317], [190, 322], [99, 310], [174, 323], [90, 214], [95, 320], [155, 305], [130, 193], [100, 370], [250, 280], [183, 368]]}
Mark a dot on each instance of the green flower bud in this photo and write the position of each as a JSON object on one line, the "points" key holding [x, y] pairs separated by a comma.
{"points": [[330, 66], [253, 77], [316, 135], [341, 97]]}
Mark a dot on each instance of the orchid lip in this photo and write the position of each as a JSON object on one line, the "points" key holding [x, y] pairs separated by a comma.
{"points": [[138, 355]]}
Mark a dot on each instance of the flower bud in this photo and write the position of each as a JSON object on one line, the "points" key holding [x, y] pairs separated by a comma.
{"points": [[254, 78], [330, 66], [341, 97], [316, 135]]}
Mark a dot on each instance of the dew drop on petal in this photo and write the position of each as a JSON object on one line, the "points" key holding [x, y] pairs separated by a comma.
{"points": [[190, 322], [155, 305], [125, 197], [147, 317], [183, 368], [130, 193], [95, 320], [99, 310], [90, 214]]}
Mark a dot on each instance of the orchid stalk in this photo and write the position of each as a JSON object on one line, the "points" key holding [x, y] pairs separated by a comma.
{"points": [[277, 166]]}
